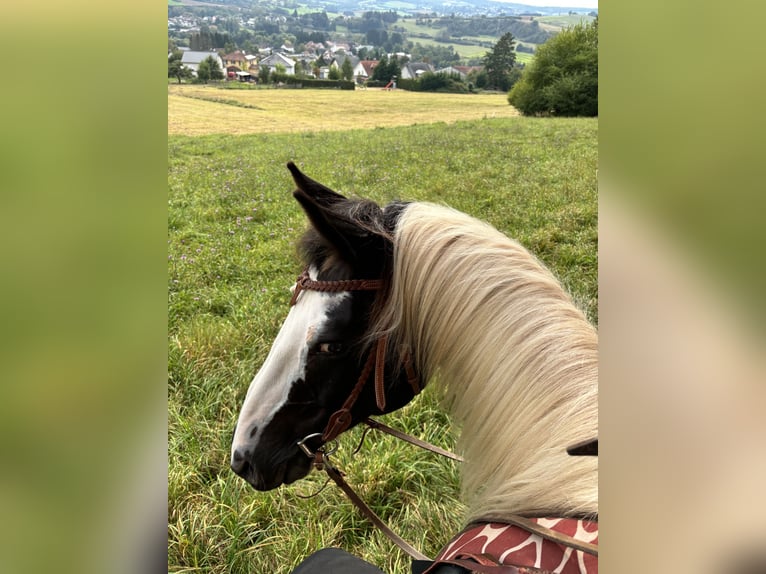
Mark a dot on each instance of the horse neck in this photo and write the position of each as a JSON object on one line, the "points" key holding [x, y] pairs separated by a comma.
{"points": [[516, 359]]}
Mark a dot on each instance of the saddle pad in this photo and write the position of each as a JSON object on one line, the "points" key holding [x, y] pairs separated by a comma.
{"points": [[505, 544]]}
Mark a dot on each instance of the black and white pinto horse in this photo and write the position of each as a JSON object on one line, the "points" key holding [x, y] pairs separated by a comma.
{"points": [[390, 297]]}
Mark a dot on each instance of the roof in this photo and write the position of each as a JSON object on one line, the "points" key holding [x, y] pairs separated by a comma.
{"points": [[192, 57], [275, 59], [236, 56], [420, 67], [416, 69], [341, 58], [467, 69], [369, 65]]}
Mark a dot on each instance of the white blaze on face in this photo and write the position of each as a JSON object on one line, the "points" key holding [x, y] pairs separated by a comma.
{"points": [[285, 364]]}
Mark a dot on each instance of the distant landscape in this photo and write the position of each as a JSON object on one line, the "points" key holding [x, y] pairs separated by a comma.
{"points": [[414, 7], [441, 33]]}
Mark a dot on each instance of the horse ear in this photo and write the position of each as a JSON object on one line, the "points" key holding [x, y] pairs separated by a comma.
{"points": [[313, 189], [335, 229]]}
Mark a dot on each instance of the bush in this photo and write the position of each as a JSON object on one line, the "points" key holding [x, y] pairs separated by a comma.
{"points": [[408, 84], [562, 80], [430, 82]]}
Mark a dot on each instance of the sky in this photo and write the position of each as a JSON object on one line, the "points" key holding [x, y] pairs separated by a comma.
{"points": [[562, 3]]}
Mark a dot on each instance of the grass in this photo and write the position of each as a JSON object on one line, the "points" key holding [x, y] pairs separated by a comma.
{"points": [[232, 227]]}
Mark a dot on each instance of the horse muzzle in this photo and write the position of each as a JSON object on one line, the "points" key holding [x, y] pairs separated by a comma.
{"points": [[264, 477]]}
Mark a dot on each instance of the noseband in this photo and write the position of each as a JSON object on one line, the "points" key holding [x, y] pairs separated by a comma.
{"points": [[341, 419]]}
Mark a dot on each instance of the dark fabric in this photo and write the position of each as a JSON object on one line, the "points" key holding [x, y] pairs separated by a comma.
{"points": [[420, 566], [335, 561]]}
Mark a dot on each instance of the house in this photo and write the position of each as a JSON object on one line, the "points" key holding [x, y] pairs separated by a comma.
{"points": [[305, 57], [413, 70], [237, 60], [326, 57], [336, 47], [340, 58], [314, 47], [192, 59], [461, 71], [363, 70], [278, 59]]}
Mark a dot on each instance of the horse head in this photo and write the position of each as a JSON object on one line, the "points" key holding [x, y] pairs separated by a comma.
{"points": [[324, 353]]}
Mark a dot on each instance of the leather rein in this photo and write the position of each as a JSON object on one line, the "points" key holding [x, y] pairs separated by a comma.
{"points": [[341, 420]]}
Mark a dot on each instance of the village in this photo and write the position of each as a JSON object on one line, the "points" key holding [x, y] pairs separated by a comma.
{"points": [[365, 48], [319, 60]]}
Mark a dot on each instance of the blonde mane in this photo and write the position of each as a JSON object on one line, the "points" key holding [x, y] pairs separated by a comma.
{"points": [[517, 360]]}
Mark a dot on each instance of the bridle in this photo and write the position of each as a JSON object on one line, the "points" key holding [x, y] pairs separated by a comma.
{"points": [[341, 420]]}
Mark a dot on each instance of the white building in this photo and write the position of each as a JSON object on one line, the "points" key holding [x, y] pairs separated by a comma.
{"points": [[192, 59], [275, 59]]}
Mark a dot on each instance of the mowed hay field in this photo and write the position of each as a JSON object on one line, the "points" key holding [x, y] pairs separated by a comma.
{"points": [[198, 110], [233, 226]]}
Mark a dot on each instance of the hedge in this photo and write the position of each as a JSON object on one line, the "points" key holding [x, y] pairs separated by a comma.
{"points": [[313, 83]]}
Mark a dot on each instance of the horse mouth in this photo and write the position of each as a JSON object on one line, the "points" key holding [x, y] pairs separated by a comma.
{"points": [[285, 473]]}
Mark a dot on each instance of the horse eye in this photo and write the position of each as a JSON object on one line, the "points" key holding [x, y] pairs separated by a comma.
{"points": [[330, 348]]}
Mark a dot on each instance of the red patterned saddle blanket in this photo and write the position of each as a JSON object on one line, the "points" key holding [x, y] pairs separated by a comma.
{"points": [[490, 544]]}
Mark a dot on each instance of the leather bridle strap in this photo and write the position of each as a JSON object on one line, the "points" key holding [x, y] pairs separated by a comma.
{"points": [[341, 419], [542, 531], [337, 477], [309, 284], [411, 439]]}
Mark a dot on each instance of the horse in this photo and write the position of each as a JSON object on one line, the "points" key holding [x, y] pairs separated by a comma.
{"points": [[392, 296]]}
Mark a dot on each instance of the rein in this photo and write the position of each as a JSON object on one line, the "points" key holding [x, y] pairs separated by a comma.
{"points": [[341, 419]]}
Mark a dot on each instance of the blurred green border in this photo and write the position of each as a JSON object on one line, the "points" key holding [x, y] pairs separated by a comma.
{"points": [[682, 129], [83, 297]]}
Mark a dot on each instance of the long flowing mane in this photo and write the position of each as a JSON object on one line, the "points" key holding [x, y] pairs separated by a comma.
{"points": [[515, 357]]}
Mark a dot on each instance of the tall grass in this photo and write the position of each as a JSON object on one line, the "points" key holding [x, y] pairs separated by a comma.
{"points": [[232, 227]]}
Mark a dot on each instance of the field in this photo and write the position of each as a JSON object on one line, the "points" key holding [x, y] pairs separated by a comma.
{"points": [[557, 23], [197, 110], [232, 228], [475, 49]]}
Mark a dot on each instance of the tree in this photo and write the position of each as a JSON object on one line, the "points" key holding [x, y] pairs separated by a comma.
{"points": [[203, 72], [279, 75], [209, 70], [263, 74], [387, 69], [347, 70], [381, 72], [562, 80], [177, 70], [499, 62], [333, 73]]}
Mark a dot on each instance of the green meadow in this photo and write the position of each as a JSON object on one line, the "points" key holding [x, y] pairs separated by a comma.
{"points": [[232, 230]]}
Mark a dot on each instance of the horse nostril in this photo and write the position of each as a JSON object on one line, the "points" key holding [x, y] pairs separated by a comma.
{"points": [[239, 462]]}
